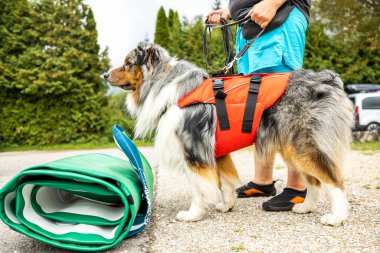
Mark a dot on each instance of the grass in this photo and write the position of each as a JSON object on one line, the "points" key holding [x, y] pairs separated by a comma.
{"points": [[238, 248], [373, 145], [366, 146], [90, 145]]}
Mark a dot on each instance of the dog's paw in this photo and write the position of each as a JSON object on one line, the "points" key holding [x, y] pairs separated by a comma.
{"points": [[222, 207], [189, 216], [302, 208], [332, 220]]}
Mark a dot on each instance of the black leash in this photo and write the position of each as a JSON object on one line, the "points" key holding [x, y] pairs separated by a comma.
{"points": [[240, 54], [227, 40], [228, 43]]}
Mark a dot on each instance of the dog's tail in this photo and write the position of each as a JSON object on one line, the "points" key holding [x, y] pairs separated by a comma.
{"points": [[314, 118], [332, 115]]}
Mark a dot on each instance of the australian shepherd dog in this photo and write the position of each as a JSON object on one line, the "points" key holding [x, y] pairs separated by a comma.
{"points": [[310, 126]]}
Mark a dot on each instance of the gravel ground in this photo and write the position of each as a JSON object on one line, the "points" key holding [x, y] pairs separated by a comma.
{"points": [[247, 228]]}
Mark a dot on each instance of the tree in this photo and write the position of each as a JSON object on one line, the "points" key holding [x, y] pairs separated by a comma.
{"points": [[176, 34], [171, 18], [216, 5], [355, 20], [192, 45], [161, 36], [339, 38], [55, 91]]}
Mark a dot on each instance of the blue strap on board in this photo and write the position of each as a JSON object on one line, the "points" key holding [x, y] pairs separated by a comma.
{"points": [[130, 150]]}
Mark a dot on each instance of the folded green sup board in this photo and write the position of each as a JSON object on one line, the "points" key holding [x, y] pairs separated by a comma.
{"points": [[87, 202]]}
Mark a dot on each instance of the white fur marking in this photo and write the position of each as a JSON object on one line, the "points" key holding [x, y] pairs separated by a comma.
{"points": [[311, 200], [339, 207], [150, 112]]}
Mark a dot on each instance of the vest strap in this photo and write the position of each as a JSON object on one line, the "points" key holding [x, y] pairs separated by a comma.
{"points": [[220, 103], [249, 111]]}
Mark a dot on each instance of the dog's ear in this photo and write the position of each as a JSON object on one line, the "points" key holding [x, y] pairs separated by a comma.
{"points": [[153, 55], [145, 53], [141, 56]]}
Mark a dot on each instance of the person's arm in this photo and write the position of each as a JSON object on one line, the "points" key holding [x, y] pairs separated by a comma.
{"points": [[263, 12]]}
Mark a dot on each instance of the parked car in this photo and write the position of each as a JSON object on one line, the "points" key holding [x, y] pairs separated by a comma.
{"points": [[367, 111]]}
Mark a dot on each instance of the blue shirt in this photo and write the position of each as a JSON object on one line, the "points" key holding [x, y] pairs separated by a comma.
{"points": [[279, 50]]}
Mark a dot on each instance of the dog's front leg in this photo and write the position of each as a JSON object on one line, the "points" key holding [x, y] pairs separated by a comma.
{"points": [[229, 180], [204, 184], [197, 209]]}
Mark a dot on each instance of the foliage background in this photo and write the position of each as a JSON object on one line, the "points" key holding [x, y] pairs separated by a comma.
{"points": [[50, 63]]}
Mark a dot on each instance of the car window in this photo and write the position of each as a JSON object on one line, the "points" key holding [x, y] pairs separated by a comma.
{"points": [[352, 100], [371, 103]]}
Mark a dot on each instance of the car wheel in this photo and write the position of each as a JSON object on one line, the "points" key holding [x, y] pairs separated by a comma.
{"points": [[374, 127]]}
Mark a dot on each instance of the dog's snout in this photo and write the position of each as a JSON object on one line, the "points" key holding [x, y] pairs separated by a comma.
{"points": [[106, 75]]}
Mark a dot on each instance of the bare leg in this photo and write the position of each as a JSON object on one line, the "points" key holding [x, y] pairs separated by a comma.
{"points": [[295, 180], [264, 174], [263, 170]]}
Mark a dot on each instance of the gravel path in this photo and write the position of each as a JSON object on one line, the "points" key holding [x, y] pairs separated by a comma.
{"points": [[247, 228]]}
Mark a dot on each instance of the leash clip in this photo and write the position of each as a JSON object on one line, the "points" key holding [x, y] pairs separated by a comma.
{"points": [[237, 58], [230, 65]]}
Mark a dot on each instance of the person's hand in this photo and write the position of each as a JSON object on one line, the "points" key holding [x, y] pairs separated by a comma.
{"points": [[263, 12], [214, 16]]}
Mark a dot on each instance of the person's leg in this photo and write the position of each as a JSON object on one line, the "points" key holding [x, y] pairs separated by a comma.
{"points": [[295, 180], [263, 172], [279, 50], [262, 183]]}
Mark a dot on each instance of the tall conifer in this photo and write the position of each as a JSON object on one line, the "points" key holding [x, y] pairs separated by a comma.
{"points": [[162, 36]]}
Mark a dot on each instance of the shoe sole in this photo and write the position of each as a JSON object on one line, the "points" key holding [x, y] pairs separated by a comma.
{"points": [[257, 195], [278, 208]]}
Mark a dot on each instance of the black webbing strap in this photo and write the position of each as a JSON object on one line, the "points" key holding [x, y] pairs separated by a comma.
{"points": [[250, 106], [220, 104]]}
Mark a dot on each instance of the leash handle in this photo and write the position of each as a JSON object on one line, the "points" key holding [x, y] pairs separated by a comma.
{"points": [[227, 38], [224, 23]]}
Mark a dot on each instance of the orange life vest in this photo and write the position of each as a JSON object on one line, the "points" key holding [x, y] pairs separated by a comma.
{"points": [[240, 102]]}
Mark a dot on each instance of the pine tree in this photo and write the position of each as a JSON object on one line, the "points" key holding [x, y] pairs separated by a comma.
{"points": [[171, 18], [192, 45], [16, 38], [176, 34], [162, 36]]}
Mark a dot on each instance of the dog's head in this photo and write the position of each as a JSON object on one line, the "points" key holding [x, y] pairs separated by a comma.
{"points": [[139, 62]]}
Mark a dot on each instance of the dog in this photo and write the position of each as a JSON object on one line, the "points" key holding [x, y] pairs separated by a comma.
{"points": [[310, 126]]}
